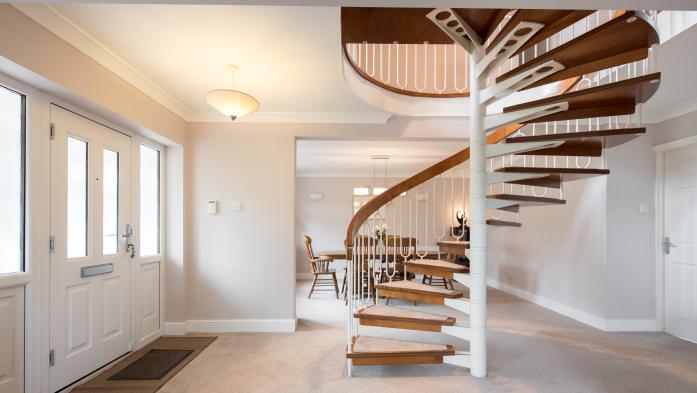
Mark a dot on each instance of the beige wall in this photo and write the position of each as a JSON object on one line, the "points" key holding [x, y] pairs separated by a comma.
{"points": [[240, 263]]}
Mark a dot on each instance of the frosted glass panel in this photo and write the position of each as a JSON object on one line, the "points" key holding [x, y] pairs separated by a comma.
{"points": [[110, 199], [77, 198], [11, 181], [149, 201]]}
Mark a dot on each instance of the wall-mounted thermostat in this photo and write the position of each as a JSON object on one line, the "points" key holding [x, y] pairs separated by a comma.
{"points": [[212, 207]]}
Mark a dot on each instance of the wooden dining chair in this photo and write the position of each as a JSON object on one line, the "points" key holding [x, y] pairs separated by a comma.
{"points": [[319, 266]]}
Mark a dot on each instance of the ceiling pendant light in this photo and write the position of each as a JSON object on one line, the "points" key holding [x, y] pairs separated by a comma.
{"points": [[232, 103]]}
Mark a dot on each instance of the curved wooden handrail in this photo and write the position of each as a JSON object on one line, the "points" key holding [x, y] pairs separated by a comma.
{"points": [[456, 159]]}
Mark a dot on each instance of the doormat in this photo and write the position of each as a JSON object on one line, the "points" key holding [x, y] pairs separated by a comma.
{"points": [[146, 370]]}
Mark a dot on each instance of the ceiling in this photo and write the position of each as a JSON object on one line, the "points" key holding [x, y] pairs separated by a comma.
{"points": [[352, 158], [289, 57]]}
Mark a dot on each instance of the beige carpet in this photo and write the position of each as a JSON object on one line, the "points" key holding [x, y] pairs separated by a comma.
{"points": [[530, 350]]}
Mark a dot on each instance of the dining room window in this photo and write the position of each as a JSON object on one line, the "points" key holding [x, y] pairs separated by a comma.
{"points": [[12, 181], [149, 201]]}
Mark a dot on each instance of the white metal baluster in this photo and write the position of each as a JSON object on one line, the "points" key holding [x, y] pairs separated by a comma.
{"points": [[445, 68], [455, 73], [426, 226], [389, 63], [437, 237]]}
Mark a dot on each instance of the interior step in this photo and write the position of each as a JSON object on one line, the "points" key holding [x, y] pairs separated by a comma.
{"points": [[554, 21], [528, 200], [409, 290], [401, 318], [569, 148], [564, 174], [453, 247], [613, 43], [607, 138], [551, 181], [372, 351], [435, 267], [612, 99], [503, 223]]}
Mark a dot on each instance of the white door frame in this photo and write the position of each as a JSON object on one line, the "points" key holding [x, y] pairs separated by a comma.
{"points": [[661, 151], [35, 278]]}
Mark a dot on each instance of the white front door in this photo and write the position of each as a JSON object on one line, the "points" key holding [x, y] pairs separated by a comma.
{"points": [[680, 244], [90, 284]]}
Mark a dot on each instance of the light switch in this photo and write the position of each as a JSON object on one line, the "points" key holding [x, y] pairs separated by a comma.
{"points": [[643, 209], [236, 206], [212, 207]]}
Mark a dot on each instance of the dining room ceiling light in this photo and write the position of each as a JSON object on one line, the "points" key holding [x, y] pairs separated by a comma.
{"points": [[232, 103]]}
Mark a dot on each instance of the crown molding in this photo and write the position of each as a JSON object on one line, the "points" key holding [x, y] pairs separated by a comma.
{"points": [[670, 112], [296, 117], [67, 30], [60, 25]]}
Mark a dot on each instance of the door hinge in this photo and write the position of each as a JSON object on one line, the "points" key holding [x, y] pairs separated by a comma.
{"points": [[51, 358], [51, 244], [52, 131]]}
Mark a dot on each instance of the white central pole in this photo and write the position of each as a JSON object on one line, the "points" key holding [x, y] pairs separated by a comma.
{"points": [[478, 226]]}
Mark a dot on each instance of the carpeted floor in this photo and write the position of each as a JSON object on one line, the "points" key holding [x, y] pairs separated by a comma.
{"points": [[530, 350]]}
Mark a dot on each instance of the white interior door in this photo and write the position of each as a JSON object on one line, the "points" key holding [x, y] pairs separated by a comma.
{"points": [[680, 243], [90, 284]]}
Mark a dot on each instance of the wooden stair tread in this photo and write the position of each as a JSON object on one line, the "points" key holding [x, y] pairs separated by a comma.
{"points": [[381, 311], [608, 138], [453, 246], [556, 175], [617, 98], [423, 289], [550, 181], [611, 44], [522, 169], [503, 223], [366, 346], [528, 200], [554, 21], [437, 264], [569, 148]]}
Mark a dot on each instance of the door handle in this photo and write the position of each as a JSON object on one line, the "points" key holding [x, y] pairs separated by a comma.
{"points": [[667, 245], [130, 247]]}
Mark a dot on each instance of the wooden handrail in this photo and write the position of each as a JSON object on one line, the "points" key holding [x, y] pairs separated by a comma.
{"points": [[456, 159]]}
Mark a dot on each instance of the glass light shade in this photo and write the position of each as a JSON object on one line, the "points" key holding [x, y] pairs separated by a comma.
{"points": [[232, 103]]}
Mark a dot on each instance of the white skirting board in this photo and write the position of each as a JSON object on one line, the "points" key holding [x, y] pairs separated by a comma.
{"points": [[231, 326], [608, 325]]}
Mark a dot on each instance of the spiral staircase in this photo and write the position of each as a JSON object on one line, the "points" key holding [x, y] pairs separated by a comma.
{"points": [[573, 92]]}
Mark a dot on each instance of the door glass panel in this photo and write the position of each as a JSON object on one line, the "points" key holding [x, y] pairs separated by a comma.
{"points": [[149, 201], [11, 181], [77, 198], [110, 202]]}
